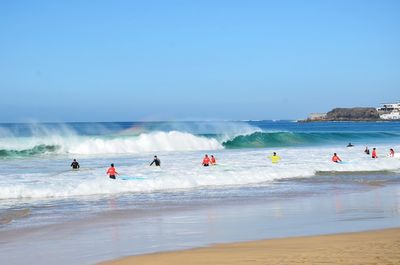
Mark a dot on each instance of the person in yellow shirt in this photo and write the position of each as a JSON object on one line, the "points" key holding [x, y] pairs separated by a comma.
{"points": [[275, 158]]}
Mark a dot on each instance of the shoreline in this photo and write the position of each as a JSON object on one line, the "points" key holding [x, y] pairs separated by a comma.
{"points": [[367, 247], [116, 234]]}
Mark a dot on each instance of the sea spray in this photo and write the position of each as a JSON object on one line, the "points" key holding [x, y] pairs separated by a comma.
{"points": [[151, 142]]}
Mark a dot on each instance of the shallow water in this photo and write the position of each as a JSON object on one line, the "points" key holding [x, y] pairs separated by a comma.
{"points": [[187, 221], [84, 217]]}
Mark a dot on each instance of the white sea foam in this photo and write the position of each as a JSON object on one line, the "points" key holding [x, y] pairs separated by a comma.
{"points": [[181, 137], [147, 142], [182, 171], [88, 145]]}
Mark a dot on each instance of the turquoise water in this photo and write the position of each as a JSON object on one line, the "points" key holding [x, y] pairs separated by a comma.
{"points": [[27, 140], [39, 191], [36, 162]]}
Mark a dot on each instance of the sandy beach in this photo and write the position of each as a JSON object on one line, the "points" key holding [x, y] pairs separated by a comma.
{"points": [[278, 231], [371, 247]]}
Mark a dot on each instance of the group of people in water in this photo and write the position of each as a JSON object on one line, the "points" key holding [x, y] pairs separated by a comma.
{"points": [[211, 160], [207, 161], [374, 154], [112, 172]]}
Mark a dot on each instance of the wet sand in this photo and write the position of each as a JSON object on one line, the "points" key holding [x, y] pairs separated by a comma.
{"points": [[370, 247], [114, 234]]}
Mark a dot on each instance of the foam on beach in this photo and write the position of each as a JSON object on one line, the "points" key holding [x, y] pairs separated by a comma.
{"points": [[184, 171]]}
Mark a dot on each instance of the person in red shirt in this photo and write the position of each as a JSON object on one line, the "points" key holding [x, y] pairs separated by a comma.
{"points": [[112, 172], [374, 154], [206, 161], [213, 160], [336, 158]]}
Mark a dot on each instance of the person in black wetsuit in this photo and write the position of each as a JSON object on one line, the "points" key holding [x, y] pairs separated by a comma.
{"points": [[366, 151], [156, 161], [75, 164]]}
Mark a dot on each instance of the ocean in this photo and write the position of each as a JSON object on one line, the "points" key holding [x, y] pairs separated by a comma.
{"points": [[39, 189]]}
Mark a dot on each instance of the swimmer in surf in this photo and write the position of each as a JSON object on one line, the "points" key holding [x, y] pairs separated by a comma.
{"points": [[374, 154], [336, 158], [75, 164], [206, 161], [366, 151], [275, 158], [156, 162], [112, 172], [213, 161], [391, 153]]}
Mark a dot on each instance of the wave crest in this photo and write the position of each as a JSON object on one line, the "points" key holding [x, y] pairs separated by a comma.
{"points": [[91, 145], [157, 141], [287, 139], [36, 150]]}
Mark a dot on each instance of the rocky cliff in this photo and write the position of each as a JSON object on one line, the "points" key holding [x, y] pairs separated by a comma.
{"points": [[349, 114]]}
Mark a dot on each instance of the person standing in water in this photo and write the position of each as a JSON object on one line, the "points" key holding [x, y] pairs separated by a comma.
{"points": [[112, 172], [336, 158], [213, 161], [374, 154], [156, 161], [275, 158], [366, 151], [391, 153], [206, 161], [75, 164]]}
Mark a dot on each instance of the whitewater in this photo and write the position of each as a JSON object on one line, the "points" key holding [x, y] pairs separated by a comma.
{"points": [[35, 162]]}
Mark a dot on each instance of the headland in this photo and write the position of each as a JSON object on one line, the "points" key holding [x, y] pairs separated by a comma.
{"points": [[386, 112]]}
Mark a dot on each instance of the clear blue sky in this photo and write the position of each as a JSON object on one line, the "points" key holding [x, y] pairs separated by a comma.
{"points": [[183, 60]]}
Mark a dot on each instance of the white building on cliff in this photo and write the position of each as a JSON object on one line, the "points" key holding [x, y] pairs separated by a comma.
{"points": [[389, 111]]}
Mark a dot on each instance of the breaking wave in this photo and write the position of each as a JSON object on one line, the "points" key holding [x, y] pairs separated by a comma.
{"points": [[36, 150], [93, 139], [146, 142], [288, 139]]}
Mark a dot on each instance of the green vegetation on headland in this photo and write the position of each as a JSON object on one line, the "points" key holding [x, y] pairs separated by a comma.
{"points": [[346, 114]]}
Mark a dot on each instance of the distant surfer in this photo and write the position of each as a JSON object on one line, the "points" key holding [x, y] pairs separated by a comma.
{"points": [[156, 162], [206, 161], [75, 164], [112, 172], [366, 151], [374, 154], [213, 161], [336, 158], [275, 158], [350, 145], [391, 153]]}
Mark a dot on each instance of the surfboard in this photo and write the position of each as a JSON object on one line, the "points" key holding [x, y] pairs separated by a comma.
{"points": [[131, 178]]}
